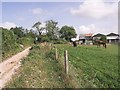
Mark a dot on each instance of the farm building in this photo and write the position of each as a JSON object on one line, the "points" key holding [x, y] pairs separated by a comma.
{"points": [[85, 39], [112, 38], [82, 39], [97, 36], [88, 39]]}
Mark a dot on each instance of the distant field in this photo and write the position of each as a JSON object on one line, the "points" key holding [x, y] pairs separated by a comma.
{"points": [[89, 66]]}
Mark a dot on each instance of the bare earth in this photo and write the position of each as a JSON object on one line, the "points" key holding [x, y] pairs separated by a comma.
{"points": [[9, 67]]}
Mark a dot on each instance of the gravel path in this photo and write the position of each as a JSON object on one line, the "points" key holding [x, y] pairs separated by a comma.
{"points": [[9, 67]]}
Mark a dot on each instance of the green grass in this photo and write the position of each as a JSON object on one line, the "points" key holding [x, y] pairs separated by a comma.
{"points": [[89, 67], [99, 66], [38, 70]]}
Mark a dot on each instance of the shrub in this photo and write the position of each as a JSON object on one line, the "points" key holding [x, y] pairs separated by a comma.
{"points": [[60, 42], [26, 41], [50, 54], [35, 47], [9, 43]]}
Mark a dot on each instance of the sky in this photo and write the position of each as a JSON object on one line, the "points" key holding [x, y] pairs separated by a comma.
{"points": [[86, 16]]}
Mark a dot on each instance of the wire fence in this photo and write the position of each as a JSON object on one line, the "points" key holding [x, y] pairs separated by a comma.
{"points": [[108, 76]]}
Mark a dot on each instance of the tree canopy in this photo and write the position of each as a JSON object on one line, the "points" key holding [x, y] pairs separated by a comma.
{"points": [[38, 28], [19, 31], [67, 32], [52, 29], [53, 33]]}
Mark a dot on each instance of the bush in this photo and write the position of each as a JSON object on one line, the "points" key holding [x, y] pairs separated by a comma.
{"points": [[35, 47], [11, 40], [43, 38], [9, 43], [60, 42], [25, 41], [50, 54]]}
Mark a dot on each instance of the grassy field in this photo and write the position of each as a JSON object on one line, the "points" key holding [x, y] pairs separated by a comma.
{"points": [[89, 66], [99, 66]]}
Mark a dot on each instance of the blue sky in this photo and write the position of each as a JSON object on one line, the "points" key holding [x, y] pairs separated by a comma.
{"points": [[92, 17]]}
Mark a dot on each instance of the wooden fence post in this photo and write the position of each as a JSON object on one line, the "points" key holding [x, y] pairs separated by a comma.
{"points": [[50, 46], [66, 61], [56, 54]]}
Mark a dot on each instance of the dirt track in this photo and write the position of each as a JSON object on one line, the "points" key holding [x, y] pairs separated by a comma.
{"points": [[9, 66]]}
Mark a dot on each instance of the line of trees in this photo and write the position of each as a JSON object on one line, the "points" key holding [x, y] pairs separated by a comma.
{"points": [[13, 38], [53, 33]]}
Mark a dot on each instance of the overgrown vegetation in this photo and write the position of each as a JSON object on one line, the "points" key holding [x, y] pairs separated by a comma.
{"points": [[39, 70], [9, 44], [12, 39]]}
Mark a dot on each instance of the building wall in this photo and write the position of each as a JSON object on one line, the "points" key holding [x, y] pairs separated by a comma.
{"points": [[112, 39]]}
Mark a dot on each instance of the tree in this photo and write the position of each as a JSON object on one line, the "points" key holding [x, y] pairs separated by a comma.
{"points": [[37, 26], [31, 34], [18, 31], [67, 32], [52, 29]]}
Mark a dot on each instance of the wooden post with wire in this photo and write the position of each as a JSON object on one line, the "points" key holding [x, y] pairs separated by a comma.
{"points": [[56, 54], [66, 61]]}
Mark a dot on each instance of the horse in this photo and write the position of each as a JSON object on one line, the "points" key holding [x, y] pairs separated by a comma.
{"points": [[99, 42], [74, 44]]}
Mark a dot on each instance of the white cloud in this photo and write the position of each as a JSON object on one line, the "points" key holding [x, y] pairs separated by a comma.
{"points": [[8, 25], [42, 25], [85, 29], [38, 11], [95, 9]]}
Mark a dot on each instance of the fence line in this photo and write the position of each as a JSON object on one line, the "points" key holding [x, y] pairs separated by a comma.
{"points": [[94, 68], [107, 75]]}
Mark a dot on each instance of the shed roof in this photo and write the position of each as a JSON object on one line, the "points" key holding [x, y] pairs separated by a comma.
{"points": [[88, 34], [98, 35], [113, 34]]}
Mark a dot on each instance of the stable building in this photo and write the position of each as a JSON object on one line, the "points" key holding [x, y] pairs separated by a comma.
{"points": [[113, 38]]}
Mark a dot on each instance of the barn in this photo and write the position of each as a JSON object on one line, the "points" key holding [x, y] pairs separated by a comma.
{"points": [[85, 39], [99, 35], [113, 38]]}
